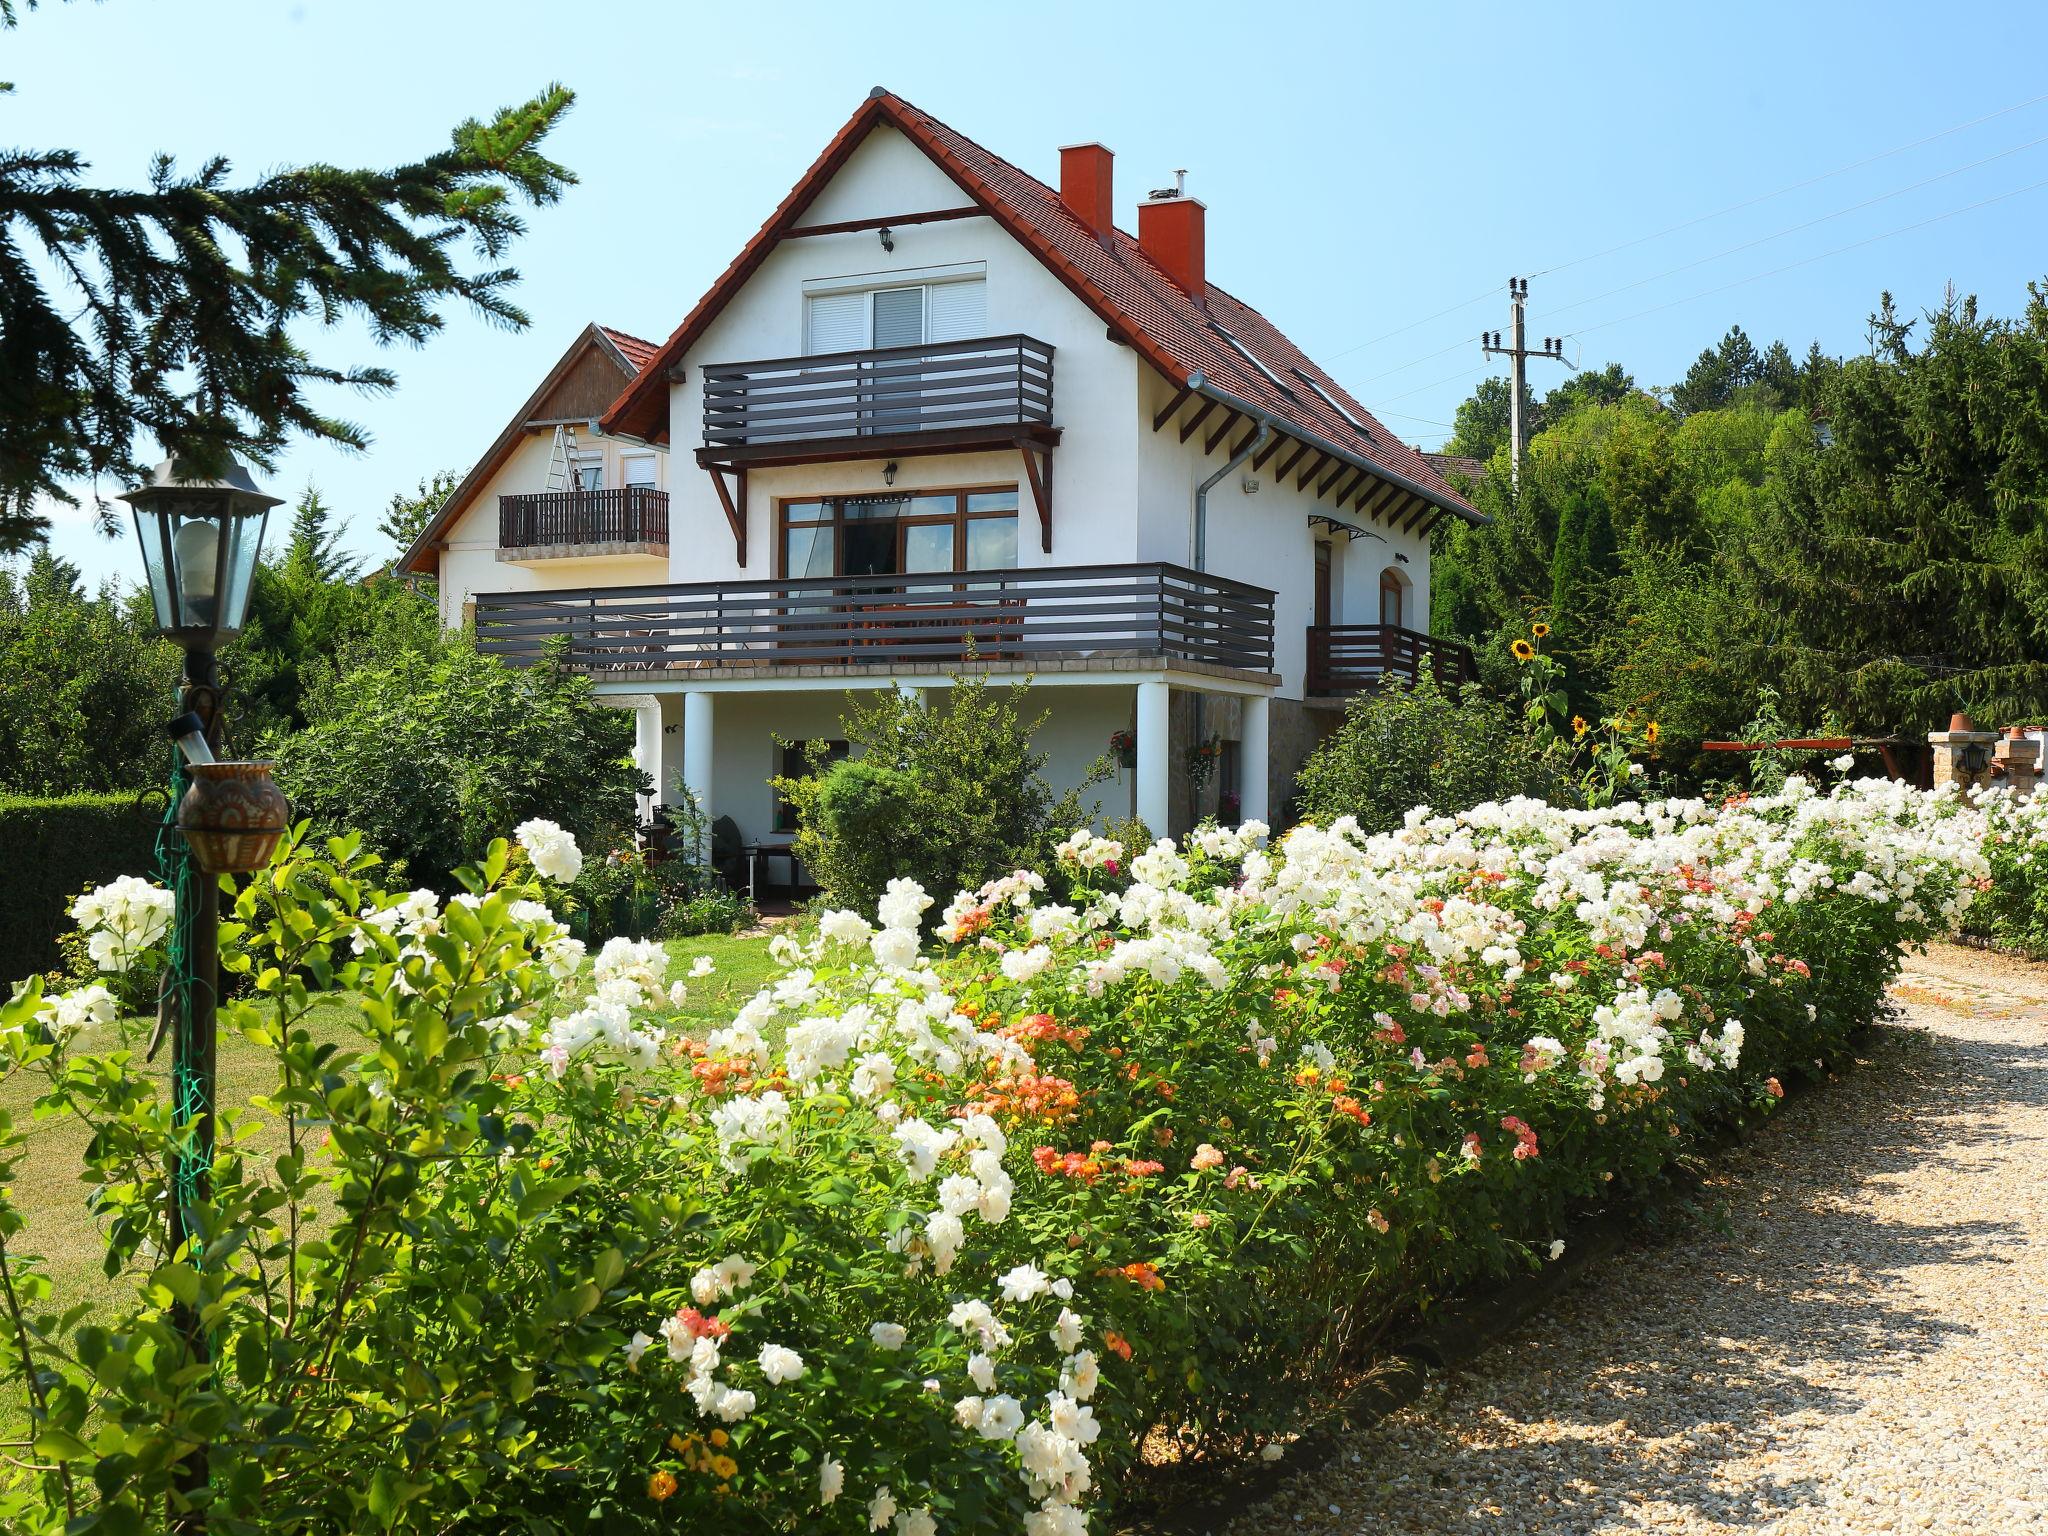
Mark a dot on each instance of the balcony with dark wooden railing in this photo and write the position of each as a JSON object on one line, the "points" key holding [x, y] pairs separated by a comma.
{"points": [[626, 520], [1350, 658], [1101, 616], [993, 390]]}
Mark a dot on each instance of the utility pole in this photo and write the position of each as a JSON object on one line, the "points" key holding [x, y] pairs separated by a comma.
{"points": [[1519, 353]]}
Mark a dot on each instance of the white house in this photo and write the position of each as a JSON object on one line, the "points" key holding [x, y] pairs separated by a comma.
{"points": [[945, 417]]}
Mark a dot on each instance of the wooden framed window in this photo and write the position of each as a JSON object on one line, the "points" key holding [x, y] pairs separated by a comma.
{"points": [[898, 533]]}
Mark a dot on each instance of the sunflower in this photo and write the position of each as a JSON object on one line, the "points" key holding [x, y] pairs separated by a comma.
{"points": [[1651, 732], [1539, 630], [1523, 650], [1579, 726]]}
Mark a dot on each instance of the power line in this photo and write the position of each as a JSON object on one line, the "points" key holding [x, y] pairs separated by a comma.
{"points": [[1808, 261], [1794, 229], [1398, 330], [1765, 197]]}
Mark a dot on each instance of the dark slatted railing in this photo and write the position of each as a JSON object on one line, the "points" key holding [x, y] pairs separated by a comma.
{"points": [[627, 514], [944, 386], [1059, 611], [1348, 658]]}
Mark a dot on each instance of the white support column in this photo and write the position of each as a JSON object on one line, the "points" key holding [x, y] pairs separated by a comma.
{"points": [[1252, 759], [1155, 777], [647, 752], [698, 740]]}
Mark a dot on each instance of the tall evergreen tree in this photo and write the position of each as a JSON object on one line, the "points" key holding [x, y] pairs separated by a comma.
{"points": [[176, 315], [314, 549]]}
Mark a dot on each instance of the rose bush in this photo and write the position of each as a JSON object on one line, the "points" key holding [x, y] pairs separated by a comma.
{"points": [[931, 1236], [2013, 909]]}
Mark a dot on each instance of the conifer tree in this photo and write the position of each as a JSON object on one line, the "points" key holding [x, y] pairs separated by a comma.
{"points": [[174, 311], [315, 544]]}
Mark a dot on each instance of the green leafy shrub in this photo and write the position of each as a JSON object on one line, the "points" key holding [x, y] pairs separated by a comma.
{"points": [[430, 756], [2013, 910], [1402, 747], [54, 848], [943, 787], [506, 1254]]}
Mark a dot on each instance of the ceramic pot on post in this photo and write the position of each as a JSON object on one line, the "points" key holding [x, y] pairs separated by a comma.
{"points": [[232, 815]]}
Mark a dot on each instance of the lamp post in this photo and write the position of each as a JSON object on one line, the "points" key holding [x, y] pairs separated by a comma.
{"points": [[200, 539]]}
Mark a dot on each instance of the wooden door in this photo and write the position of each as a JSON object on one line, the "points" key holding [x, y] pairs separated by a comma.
{"points": [[1322, 618], [1390, 599]]}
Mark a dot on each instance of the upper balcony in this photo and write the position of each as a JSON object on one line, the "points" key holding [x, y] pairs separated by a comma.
{"points": [[1350, 658], [1096, 618], [994, 391], [552, 525]]}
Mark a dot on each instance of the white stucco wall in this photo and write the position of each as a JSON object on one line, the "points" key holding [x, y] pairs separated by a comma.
{"points": [[1094, 379], [1264, 537], [470, 563], [745, 756]]}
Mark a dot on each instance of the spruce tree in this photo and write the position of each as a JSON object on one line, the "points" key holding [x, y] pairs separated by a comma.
{"points": [[315, 544], [170, 312]]}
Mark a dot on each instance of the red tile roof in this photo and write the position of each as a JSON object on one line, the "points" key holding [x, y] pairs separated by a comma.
{"points": [[636, 351], [1134, 297], [631, 352]]}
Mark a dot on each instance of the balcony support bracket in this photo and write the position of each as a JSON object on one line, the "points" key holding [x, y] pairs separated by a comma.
{"points": [[1038, 471], [734, 500]]}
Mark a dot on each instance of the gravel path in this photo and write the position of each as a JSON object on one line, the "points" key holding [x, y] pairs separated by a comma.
{"points": [[1856, 1342]]}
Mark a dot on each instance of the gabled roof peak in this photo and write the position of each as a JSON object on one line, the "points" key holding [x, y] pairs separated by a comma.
{"points": [[1113, 274]]}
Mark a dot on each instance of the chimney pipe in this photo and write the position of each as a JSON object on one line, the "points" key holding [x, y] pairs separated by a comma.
{"points": [[1170, 231], [1088, 186]]}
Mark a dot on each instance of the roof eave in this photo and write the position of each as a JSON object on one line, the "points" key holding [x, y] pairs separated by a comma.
{"points": [[1452, 504]]}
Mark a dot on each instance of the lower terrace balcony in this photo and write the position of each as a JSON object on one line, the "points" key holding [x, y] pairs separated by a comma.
{"points": [[1350, 658], [545, 525], [1100, 613]]}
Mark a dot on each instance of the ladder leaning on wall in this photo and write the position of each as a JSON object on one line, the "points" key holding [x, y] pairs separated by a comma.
{"points": [[562, 459]]}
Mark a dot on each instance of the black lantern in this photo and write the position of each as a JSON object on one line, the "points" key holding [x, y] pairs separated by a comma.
{"points": [[200, 538]]}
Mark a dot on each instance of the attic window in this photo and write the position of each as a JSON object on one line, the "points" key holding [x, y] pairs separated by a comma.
{"points": [[1245, 352], [1335, 404]]}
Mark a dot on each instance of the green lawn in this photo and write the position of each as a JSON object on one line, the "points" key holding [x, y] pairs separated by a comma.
{"points": [[48, 1189]]}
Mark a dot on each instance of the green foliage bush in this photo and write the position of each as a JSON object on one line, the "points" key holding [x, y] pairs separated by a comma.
{"points": [[1399, 748], [429, 757], [943, 787], [490, 1253], [53, 849]]}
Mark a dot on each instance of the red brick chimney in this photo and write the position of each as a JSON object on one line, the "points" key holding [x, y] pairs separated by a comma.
{"points": [[1088, 186], [1170, 232]]}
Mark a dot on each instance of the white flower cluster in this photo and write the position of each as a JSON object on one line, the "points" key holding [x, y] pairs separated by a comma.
{"points": [[553, 851], [122, 919], [66, 1013], [625, 976]]}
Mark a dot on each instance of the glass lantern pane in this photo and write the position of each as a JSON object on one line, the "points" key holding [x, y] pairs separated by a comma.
{"points": [[150, 533], [246, 535]]}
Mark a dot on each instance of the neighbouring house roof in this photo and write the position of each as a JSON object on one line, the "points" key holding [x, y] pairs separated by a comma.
{"points": [[1470, 470], [597, 355], [1141, 305]]}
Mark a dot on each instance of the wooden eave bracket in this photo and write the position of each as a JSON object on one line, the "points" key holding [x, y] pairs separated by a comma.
{"points": [[734, 500], [1038, 471]]}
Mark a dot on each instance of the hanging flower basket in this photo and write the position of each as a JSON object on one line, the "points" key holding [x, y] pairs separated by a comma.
{"points": [[1124, 744]]}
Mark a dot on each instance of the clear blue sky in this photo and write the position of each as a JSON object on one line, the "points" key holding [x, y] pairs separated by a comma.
{"points": [[1364, 166]]}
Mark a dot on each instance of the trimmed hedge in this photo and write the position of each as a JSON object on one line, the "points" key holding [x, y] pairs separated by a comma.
{"points": [[51, 849]]}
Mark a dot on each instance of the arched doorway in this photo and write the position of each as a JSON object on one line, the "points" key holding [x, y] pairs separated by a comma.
{"points": [[1393, 598]]}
